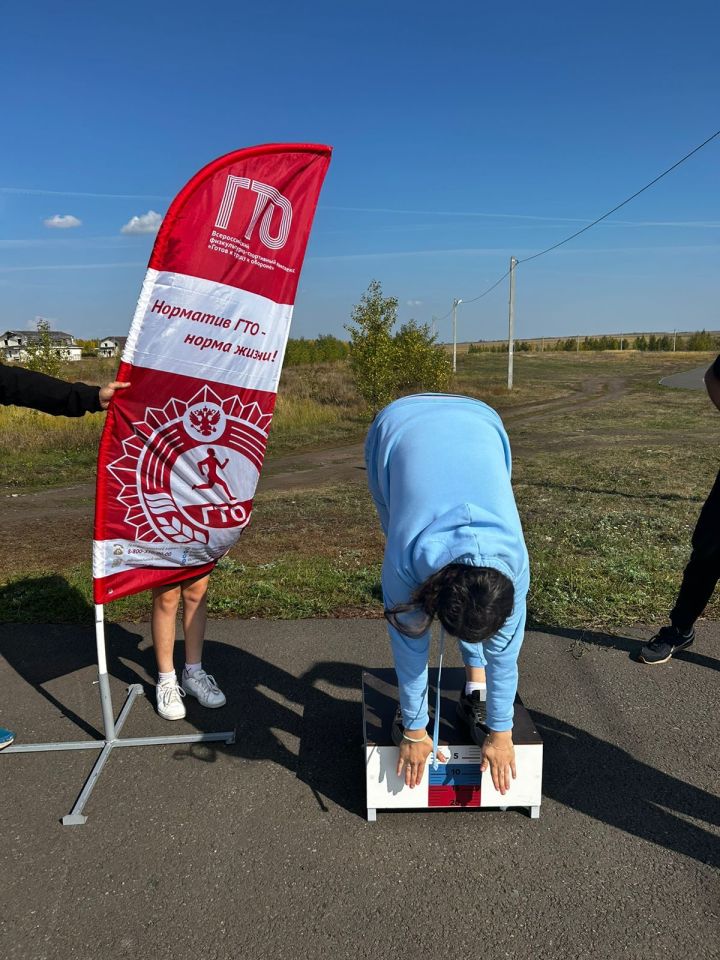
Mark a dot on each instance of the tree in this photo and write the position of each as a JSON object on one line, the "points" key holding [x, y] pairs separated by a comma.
{"points": [[371, 345], [387, 365], [701, 340], [43, 357]]}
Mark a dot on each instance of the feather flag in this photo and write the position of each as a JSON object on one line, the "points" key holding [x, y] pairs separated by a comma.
{"points": [[183, 446]]}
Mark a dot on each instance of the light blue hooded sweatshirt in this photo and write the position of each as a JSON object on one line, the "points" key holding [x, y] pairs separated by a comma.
{"points": [[439, 473]]}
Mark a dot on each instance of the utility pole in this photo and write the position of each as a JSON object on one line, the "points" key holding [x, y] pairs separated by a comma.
{"points": [[433, 326], [455, 305], [511, 322], [577, 344], [674, 339], [542, 345], [621, 341]]}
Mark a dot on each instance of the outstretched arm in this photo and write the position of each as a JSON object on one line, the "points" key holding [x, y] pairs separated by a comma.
{"points": [[26, 388], [502, 677], [410, 655], [411, 666]]}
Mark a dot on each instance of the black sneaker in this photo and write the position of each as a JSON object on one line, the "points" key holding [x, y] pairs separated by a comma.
{"points": [[473, 712], [397, 728], [664, 644]]}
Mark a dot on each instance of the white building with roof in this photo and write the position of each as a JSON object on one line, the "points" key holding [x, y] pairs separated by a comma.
{"points": [[111, 346], [18, 345]]}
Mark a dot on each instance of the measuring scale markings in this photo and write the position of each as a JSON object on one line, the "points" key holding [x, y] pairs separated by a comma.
{"points": [[457, 784]]}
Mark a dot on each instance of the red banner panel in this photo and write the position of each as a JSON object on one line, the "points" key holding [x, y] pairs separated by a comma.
{"points": [[183, 446]]}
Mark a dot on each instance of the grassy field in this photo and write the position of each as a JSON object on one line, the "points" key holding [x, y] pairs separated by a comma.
{"points": [[316, 406], [610, 470]]}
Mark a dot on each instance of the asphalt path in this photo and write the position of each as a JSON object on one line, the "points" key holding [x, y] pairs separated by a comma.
{"points": [[261, 849], [687, 380]]}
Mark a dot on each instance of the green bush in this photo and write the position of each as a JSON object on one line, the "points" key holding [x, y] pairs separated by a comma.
{"points": [[323, 350], [386, 364]]}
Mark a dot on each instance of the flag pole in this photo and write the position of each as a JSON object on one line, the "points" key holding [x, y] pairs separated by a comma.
{"points": [[105, 696], [112, 727]]}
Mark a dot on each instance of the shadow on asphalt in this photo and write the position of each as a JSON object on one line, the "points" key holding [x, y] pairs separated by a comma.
{"points": [[320, 711], [579, 638], [607, 783], [276, 706]]}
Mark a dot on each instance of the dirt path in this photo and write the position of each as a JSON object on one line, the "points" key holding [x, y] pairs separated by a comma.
{"points": [[54, 526]]}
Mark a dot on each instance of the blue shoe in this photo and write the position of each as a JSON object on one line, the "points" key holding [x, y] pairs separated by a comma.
{"points": [[6, 737]]}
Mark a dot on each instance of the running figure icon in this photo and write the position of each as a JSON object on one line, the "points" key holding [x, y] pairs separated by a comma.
{"points": [[209, 468]]}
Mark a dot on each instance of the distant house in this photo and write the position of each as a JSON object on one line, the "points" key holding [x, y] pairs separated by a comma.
{"points": [[111, 346], [11, 344], [18, 345]]}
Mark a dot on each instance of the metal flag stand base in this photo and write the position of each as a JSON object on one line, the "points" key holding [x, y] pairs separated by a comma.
{"points": [[112, 727]]}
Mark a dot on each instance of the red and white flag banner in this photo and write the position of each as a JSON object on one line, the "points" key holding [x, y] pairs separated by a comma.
{"points": [[183, 446]]}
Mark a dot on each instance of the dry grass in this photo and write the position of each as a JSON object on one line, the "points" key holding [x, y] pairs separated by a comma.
{"points": [[608, 493], [317, 405]]}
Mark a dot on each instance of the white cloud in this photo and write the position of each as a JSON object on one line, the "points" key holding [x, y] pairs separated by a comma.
{"points": [[64, 222], [414, 303], [146, 223]]}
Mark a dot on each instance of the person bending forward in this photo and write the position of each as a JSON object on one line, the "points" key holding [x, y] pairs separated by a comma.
{"points": [[439, 472]]}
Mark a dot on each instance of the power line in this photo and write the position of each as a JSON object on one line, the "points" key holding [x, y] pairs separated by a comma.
{"points": [[594, 223], [614, 209], [486, 292]]}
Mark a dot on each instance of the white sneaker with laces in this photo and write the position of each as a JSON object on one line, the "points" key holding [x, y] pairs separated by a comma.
{"points": [[169, 700], [203, 687]]}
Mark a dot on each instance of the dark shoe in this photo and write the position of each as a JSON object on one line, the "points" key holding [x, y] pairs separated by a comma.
{"points": [[397, 728], [473, 712], [664, 644]]}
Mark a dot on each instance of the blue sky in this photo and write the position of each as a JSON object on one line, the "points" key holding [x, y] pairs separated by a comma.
{"points": [[463, 134]]}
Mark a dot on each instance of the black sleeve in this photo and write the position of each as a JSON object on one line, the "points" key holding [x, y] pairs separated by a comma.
{"points": [[24, 388], [716, 368]]}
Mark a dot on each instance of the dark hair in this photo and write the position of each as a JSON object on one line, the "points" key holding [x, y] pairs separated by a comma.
{"points": [[471, 603]]}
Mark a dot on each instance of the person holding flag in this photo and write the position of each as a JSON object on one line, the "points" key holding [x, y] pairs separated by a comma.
{"points": [[439, 473], [204, 354]]}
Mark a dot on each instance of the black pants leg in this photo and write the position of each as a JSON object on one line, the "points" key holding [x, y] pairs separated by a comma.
{"points": [[703, 570]]}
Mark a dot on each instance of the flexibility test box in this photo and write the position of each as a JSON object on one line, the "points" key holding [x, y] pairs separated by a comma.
{"points": [[457, 784]]}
